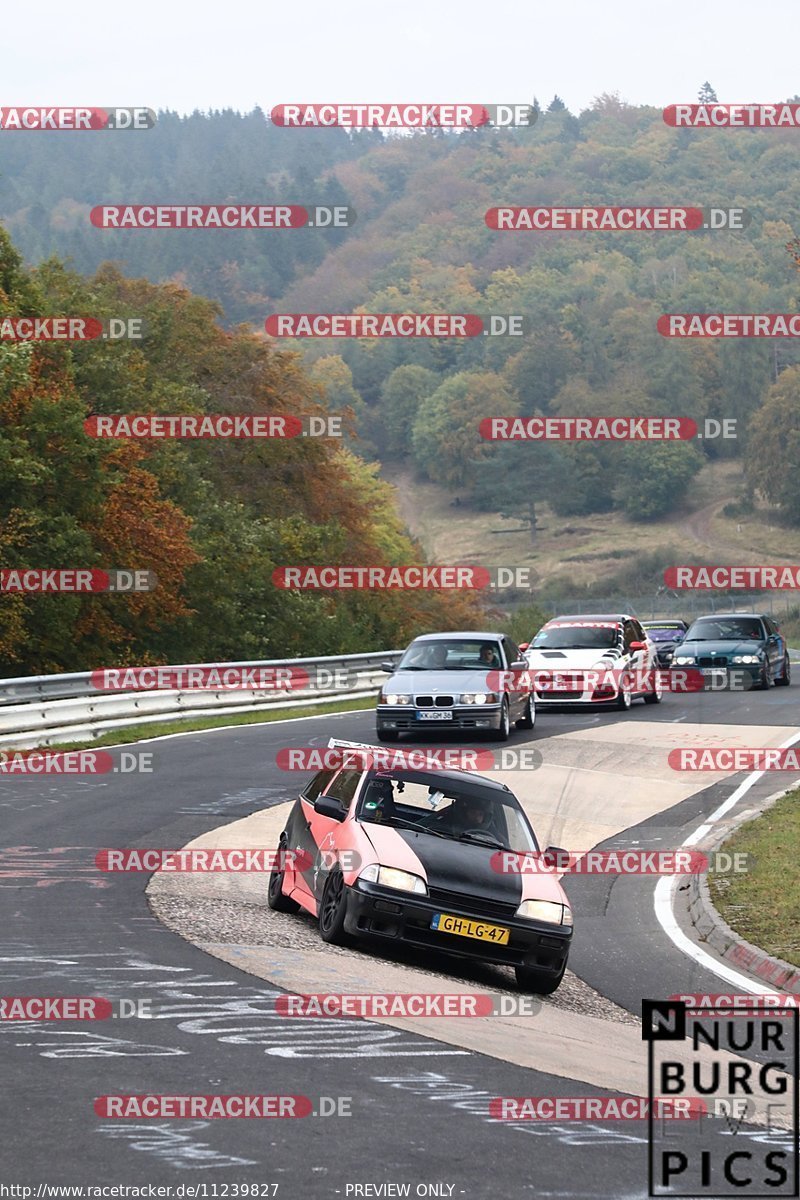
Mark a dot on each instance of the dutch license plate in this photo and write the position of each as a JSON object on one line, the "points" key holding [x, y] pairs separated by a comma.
{"points": [[434, 715], [464, 927]]}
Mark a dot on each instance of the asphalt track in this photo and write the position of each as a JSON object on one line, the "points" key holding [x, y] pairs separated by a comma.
{"points": [[419, 1105]]}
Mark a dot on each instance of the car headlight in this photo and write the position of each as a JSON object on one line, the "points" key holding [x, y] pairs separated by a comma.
{"points": [[545, 910], [394, 698], [477, 698], [682, 660], [391, 877], [745, 658]]}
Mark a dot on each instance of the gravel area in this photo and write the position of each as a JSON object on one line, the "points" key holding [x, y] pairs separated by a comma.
{"points": [[207, 921]]}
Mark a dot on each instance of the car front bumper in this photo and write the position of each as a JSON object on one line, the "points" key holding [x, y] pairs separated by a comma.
{"points": [[378, 912], [402, 718]]}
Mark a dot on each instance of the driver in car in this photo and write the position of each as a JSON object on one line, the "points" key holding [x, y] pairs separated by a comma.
{"points": [[468, 813]]}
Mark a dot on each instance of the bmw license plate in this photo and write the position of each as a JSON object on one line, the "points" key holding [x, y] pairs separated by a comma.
{"points": [[434, 715], [445, 923]]}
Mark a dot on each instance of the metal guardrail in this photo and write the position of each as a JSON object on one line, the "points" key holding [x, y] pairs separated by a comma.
{"points": [[44, 710]]}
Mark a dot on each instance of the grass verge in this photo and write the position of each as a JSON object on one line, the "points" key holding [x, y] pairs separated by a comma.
{"points": [[138, 733], [764, 905]]}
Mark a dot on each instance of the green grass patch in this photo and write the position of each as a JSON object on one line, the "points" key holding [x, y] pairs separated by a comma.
{"points": [[764, 904], [138, 733]]}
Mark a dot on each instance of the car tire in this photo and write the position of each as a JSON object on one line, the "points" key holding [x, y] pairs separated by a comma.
{"points": [[624, 699], [387, 735], [505, 722], [656, 696], [786, 675], [543, 983], [764, 679], [333, 910], [275, 897], [528, 720]]}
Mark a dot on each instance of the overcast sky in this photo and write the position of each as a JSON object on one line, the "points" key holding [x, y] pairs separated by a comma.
{"points": [[180, 55]]}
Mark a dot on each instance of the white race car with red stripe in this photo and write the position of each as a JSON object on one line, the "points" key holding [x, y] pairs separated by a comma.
{"points": [[593, 658], [426, 857]]}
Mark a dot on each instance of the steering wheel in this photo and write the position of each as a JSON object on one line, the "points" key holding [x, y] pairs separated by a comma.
{"points": [[480, 829]]}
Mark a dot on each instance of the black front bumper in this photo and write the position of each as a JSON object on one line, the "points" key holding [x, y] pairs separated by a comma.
{"points": [[377, 912]]}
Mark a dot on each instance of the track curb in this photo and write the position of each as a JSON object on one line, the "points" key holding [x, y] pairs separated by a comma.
{"points": [[710, 928]]}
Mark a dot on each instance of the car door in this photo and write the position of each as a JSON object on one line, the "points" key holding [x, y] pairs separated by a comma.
{"points": [[327, 831], [299, 832], [774, 646], [517, 700]]}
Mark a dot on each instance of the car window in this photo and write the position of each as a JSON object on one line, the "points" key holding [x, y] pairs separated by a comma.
{"points": [[708, 629], [445, 809], [344, 786], [577, 635], [317, 784], [630, 634], [451, 654], [641, 636], [512, 651]]}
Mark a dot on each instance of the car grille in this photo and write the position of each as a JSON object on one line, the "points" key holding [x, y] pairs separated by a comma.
{"points": [[557, 694], [472, 904], [712, 662], [434, 701]]}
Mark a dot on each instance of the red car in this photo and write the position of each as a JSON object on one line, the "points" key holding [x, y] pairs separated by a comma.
{"points": [[422, 857]]}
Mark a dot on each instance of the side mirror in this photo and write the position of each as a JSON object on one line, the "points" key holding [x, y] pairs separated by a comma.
{"points": [[524, 645], [326, 806], [679, 635], [559, 856], [638, 646], [520, 665], [388, 667]]}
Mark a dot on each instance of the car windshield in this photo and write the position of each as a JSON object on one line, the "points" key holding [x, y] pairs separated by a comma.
{"points": [[446, 654], [576, 637], [663, 635], [725, 629], [424, 804]]}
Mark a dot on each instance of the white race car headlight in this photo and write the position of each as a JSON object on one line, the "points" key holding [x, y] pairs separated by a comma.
{"points": [[745, 658], [394, 698], [478, 698], [392, 877], [682, 660], [545, 910]]}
